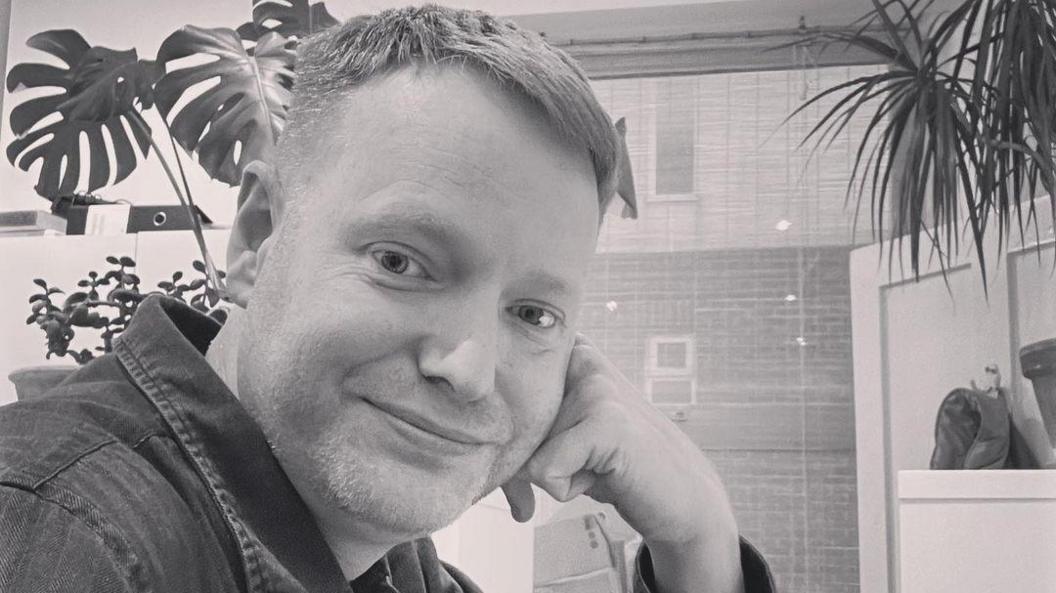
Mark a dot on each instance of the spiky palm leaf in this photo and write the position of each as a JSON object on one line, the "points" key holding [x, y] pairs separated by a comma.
{"points": [[1014, 83], [100, 89], [942, 138]]}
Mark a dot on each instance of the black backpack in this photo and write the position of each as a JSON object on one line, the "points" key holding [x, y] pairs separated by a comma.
{"points": [[974, 430]]}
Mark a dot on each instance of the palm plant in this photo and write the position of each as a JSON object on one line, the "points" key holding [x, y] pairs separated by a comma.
{"points": [[960, 126], [105, 92]]}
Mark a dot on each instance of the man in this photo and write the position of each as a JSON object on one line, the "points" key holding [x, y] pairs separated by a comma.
{"points": [[406, 276]]}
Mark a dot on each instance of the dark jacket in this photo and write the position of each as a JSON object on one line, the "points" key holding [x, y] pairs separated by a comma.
{"points": [[142, 472]]}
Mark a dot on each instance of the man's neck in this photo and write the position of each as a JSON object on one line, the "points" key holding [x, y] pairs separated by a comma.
{"points": [[354, 555]]}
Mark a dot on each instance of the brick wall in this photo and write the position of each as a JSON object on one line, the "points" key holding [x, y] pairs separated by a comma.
{"points": [[774, 402]]}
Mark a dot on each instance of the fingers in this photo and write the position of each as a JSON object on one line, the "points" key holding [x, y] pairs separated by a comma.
{"points": [[583, 339], [519, 494], [585, 360], [569, 463]]}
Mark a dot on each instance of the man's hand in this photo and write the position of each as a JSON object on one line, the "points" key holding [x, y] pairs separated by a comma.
{"points": [[610, 444]]}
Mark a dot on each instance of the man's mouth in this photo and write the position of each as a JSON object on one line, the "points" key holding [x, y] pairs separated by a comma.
{"points": [[445, 430]]}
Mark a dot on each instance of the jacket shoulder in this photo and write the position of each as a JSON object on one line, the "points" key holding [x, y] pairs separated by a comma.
{"points": [[95, 454], [95, 407], [44, 547]]}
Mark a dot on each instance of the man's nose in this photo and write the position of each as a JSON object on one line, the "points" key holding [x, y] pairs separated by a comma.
{"points": [[463, 355]]}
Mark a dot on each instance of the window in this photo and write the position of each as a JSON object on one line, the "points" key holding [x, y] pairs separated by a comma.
{"points": [[675, 138], [671, 355], [734, 220]]}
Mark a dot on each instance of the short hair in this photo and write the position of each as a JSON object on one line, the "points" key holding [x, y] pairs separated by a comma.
{"points": [[342, 57]]}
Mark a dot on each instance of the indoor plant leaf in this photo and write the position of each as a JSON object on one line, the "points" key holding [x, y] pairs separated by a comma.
{"points": [[950, 154], [235, 121], [100, 89], [107, 82], [289, 18]]}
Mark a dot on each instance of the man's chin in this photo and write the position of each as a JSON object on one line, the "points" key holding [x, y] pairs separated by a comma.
{"points": [[403, 512]]}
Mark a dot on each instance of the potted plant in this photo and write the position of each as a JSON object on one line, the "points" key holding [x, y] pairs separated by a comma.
{"points": [[105, 92], [104, 303], [1038, 361], [960, 134], [960, 126]]}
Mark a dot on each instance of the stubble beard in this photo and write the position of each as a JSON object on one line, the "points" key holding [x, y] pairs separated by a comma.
{"points": [[374, 497]]}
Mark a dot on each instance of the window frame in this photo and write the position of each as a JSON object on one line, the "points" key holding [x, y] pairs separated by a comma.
{"points": [[654, 372]]}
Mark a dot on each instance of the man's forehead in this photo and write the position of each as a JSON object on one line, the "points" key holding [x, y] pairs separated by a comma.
{"points": [[423, 103], [443, 126]]}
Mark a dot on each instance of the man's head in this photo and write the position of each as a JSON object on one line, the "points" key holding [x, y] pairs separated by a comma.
{"points": [[413, 263], [334, 63]]}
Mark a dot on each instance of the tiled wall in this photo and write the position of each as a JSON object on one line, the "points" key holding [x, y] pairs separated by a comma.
{"points": [[774, 412]]}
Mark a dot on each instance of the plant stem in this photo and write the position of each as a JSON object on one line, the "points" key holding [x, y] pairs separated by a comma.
{"points": [[210, 267], [186, 201]]}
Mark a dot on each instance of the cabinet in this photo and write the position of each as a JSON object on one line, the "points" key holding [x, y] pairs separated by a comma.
{"points": [[977, 531]]}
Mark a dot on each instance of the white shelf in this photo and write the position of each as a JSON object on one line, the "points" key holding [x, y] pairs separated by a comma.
{"points": [[976, 531], [977, 484]]}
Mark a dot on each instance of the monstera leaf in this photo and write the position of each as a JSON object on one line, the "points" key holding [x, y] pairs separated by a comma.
{"points": [[289, 18], [236, 120], [100, 91]]}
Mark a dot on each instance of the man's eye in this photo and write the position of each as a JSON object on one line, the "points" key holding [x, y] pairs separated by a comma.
{"points": [[535, 315], [398, 263]]}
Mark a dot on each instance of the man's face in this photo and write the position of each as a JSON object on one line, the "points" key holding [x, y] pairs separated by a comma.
{"points": [[408, 334]]}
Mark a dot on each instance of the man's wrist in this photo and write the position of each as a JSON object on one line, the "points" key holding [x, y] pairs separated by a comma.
{"points": [[711, 564]]}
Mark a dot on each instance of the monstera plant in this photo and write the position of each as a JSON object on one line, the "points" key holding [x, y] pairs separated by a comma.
{"points": [[104, 93]]}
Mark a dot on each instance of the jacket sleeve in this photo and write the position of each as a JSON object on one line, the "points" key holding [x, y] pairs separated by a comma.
{"points": [[757, 577], [45, 548]]}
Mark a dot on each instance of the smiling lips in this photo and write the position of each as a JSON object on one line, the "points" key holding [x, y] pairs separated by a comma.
{"points": [[490, 433]]}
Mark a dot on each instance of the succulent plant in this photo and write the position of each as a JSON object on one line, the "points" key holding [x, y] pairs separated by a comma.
{"points": [[106, 302]]}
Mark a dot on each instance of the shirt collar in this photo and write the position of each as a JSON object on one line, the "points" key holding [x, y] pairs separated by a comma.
{"points": [[163, 351]]}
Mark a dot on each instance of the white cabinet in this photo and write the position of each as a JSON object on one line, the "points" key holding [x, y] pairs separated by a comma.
{"points": [[977, 531]]}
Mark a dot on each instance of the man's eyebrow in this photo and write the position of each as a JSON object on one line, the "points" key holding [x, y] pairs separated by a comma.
{"points": [[542, 281], [421, 223]]}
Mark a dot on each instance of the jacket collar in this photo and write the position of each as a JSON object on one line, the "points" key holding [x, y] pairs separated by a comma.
{"points": [[163, 351]]}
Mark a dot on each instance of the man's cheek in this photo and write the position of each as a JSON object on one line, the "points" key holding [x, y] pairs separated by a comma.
{"points": [[539, 419]]}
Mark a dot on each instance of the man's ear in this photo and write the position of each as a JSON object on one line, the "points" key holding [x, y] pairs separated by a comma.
{"points": [[260, 202]]}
